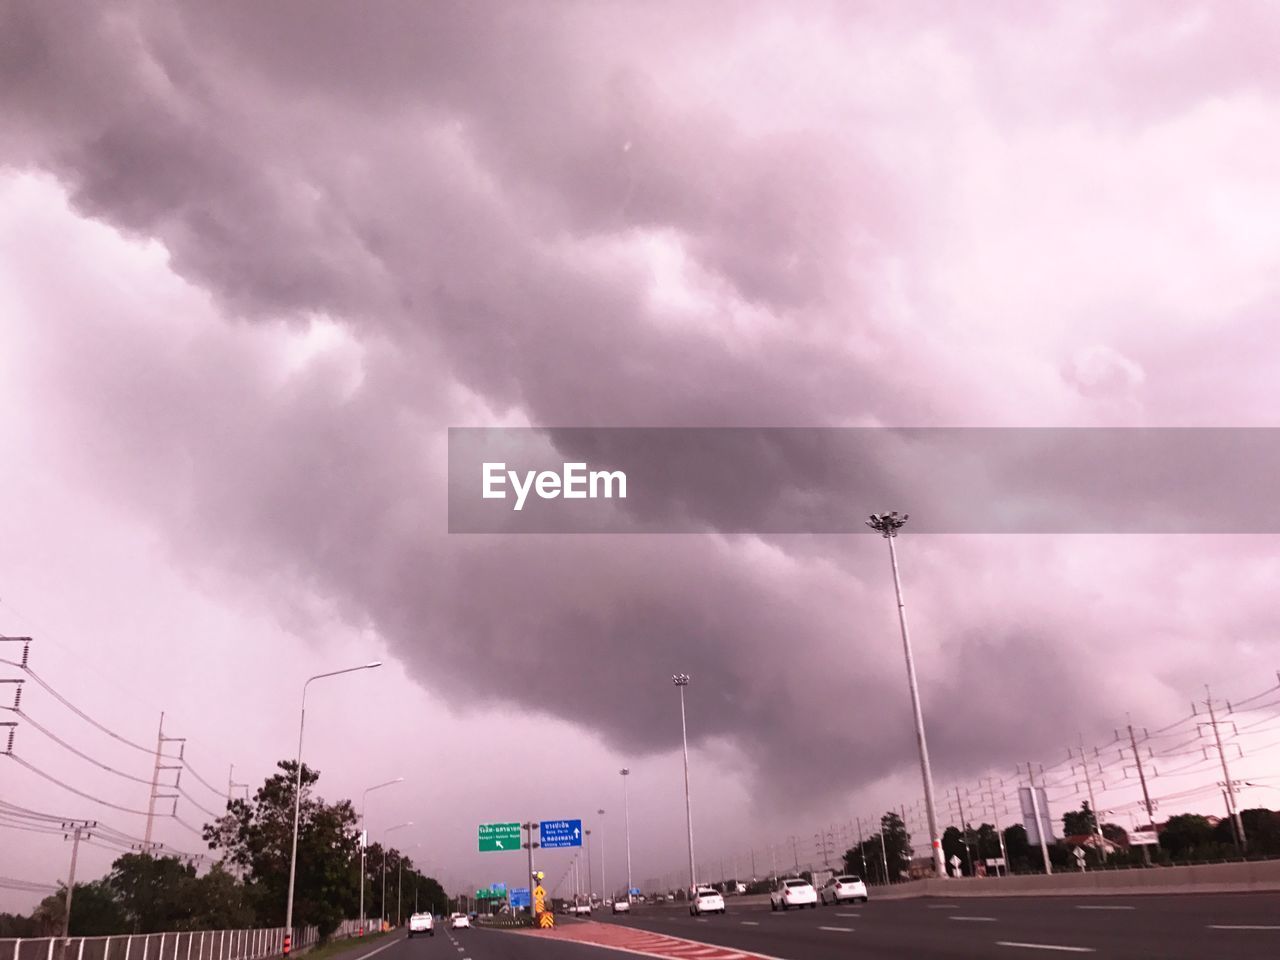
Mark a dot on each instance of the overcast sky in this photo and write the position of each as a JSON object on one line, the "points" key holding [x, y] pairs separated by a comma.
{"points": [[256, 259]]}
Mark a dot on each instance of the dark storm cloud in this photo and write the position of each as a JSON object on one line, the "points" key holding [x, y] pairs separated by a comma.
{"points": [[468, 189]]}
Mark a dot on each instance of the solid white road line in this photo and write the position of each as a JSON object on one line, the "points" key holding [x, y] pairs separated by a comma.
{"points": [[943, 906], [848, 914], [1044, 946], [983, 919], [1244, 926], [1092, 906], [837, 929], [750, 923]]}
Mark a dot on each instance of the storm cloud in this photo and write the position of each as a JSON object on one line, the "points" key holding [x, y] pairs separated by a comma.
{"points": [[579, 215]]}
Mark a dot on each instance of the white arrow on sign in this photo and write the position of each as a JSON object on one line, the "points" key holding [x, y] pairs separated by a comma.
{"points": [[575, 834], [498, 844]]}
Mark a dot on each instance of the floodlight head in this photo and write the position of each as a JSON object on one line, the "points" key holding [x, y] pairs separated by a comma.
{"points": [[680, 679], [625, 771], [887, 524]]}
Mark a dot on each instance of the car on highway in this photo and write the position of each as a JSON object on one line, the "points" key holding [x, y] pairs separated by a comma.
{"points": [[422, 923], [793, 893], [840, 890], [582, 909], [621, 906], [706, 900], [459, 921]]}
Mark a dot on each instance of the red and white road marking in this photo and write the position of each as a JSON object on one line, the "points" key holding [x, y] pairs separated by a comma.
{"points": [[643, 942]]}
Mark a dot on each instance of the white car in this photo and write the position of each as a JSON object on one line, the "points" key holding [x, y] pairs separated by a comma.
{"points": [[422, 923], [460, 921], [706, 900], [581, 908], [793, 893], [840, 890], [621, 906]]}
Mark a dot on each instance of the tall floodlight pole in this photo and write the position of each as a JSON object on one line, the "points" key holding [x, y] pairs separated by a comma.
{"points": [[887, 525], [604, 884], [297, 797], [364, 840], [681, 680], [591, 880], [626, 819]]}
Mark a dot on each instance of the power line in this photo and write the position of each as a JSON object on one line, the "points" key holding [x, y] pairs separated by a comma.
{"points": [[66, 786]]}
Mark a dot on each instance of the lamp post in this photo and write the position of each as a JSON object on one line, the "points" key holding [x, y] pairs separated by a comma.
{"points": [[887, 525], [626, 819], [408, 823], [364, 840], [591, 881], [681, 680], [604, 884], [297, 797]]}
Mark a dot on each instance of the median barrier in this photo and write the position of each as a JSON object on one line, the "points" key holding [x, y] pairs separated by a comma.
{"points": [[1254, 876]]}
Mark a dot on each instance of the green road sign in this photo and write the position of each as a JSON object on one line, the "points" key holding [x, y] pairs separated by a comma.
{"points": [[499, 836]]}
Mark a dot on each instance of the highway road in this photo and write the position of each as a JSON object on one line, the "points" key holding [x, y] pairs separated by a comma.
{"points": [[1201, 927], [1152, 927]]}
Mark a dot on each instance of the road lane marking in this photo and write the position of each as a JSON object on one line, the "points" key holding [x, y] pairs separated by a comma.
{"points": [[365, 956], [1092, 906], [982, 919], [848, 914], [837, 929], [750, 923], [1244, 926], [943, 906], [1044, 946]]}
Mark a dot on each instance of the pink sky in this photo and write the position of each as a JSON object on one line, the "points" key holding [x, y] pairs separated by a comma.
{"points": [[253, 264]]}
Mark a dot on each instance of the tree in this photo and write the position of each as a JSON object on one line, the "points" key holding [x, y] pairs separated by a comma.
{"points": [[1019, 849], [1077, 823], [155, 893], [256, 836], [1184, 833], [953, 846]]}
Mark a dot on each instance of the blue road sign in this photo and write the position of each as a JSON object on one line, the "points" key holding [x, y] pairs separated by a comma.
{"points": [[499, 888], [635, 891], [520, 897], [560, 833]]}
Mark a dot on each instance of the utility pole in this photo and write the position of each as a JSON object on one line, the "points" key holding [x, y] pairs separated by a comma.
{"points": [[591, 883], [862, 848], [77, 834], [884, 854], [155, 784], [1039, 820], [795, 852], [1146, 796], [1233, 809], [1093, 804], [995, 817], [964, 826]]}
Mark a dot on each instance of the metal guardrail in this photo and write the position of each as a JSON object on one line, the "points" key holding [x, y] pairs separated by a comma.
{"points": [[174, 945]]}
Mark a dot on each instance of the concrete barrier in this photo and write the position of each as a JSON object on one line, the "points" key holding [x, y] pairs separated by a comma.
{"points": [[1248, 877]]}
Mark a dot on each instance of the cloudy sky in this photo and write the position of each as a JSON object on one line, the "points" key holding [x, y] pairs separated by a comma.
{"points": [[255, 260]]}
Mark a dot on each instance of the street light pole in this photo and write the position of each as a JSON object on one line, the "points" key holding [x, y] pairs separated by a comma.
{"points": [[297, 798], [604, 884], [364, 841], [591, 883], [681, 680], [887, 525], [626, 818]]}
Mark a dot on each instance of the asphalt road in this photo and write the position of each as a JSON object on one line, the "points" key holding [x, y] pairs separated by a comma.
{"points": [[1195, 927], [1204, 927]]}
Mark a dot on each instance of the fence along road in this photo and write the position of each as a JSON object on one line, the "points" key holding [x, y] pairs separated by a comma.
{"points": [[172, 945]]}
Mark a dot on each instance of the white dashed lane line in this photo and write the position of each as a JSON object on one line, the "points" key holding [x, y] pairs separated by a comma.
{"points": [[1099, 906], [975, 919], [837, 929], [1244, 926], [1044, 946]]}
